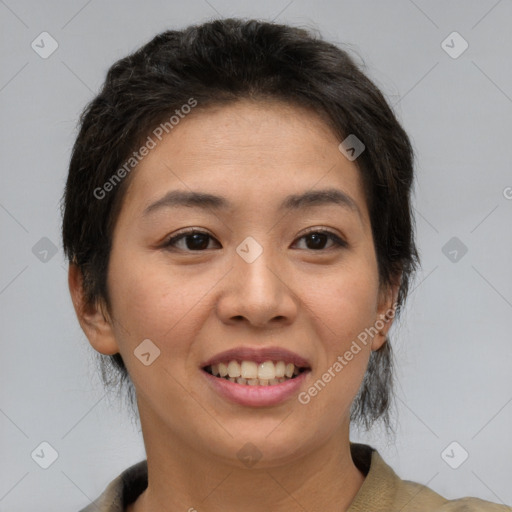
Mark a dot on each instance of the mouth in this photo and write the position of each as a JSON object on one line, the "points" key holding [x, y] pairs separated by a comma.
{"points": [[257, 377], [252, 373]]}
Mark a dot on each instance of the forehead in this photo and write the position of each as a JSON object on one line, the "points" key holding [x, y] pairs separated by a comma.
{"points": [[265, 150]]}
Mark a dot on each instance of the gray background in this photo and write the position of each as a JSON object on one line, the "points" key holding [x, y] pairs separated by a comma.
{"points": [[453, 347]]}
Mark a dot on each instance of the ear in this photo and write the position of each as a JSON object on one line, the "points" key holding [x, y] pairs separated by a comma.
{"points": [[386, 312], [93, 318]]}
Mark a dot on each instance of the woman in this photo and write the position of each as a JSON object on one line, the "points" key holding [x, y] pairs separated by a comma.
{"points": [[238, 224]]}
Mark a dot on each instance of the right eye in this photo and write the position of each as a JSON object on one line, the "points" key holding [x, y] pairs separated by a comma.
{"points": [[194, 241]]}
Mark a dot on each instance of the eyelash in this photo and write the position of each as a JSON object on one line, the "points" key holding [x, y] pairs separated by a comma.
{"points": [[339, 242]]}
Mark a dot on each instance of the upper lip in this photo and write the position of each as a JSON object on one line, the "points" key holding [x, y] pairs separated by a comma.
{"points": [[258, 355]]}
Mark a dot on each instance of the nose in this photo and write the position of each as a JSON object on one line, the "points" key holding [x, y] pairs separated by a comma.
{"points": [[258, 292]]}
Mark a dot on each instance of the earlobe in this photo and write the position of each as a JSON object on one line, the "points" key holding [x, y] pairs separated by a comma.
{"points": [[385, 314], [92, 317]]}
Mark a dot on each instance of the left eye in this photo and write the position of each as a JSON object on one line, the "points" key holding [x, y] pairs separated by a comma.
{"points": [[319, 238], [198, 241]]}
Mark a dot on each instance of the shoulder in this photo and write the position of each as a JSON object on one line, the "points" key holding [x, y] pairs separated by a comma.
{"points": [[384, 491], [121, 491], [473, 505], [415, 497]]}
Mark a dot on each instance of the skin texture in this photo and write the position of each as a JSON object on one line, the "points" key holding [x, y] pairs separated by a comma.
{"points": [[195, 304]]}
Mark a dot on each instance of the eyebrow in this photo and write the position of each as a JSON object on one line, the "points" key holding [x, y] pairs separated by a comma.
{"points": [[176, 198]]}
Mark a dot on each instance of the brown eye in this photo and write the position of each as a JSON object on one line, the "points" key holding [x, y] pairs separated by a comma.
{"points": [[194, 240], [198, 241], [316, 240]]}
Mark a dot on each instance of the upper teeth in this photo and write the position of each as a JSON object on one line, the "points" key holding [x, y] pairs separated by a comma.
{"points": [[250, 370]]}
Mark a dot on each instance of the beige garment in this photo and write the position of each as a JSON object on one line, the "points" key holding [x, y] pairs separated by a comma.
{"points": [[382, 490]]}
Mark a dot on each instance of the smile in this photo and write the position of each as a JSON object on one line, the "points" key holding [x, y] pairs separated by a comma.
{"points": [[250, 373], [256, 376]]}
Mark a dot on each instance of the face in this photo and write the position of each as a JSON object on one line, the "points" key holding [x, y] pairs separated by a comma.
{"points": [[267, 276]]}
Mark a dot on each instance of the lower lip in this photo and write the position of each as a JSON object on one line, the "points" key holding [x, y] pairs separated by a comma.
{"points": [[257, 396]]}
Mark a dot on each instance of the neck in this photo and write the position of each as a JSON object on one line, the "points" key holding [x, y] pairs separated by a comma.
{"points": [[181, 478]]}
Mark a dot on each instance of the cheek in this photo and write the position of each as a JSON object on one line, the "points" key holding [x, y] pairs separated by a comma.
{"points": [[341, 310], [346, 303], [152, 302], [343, 307]]}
